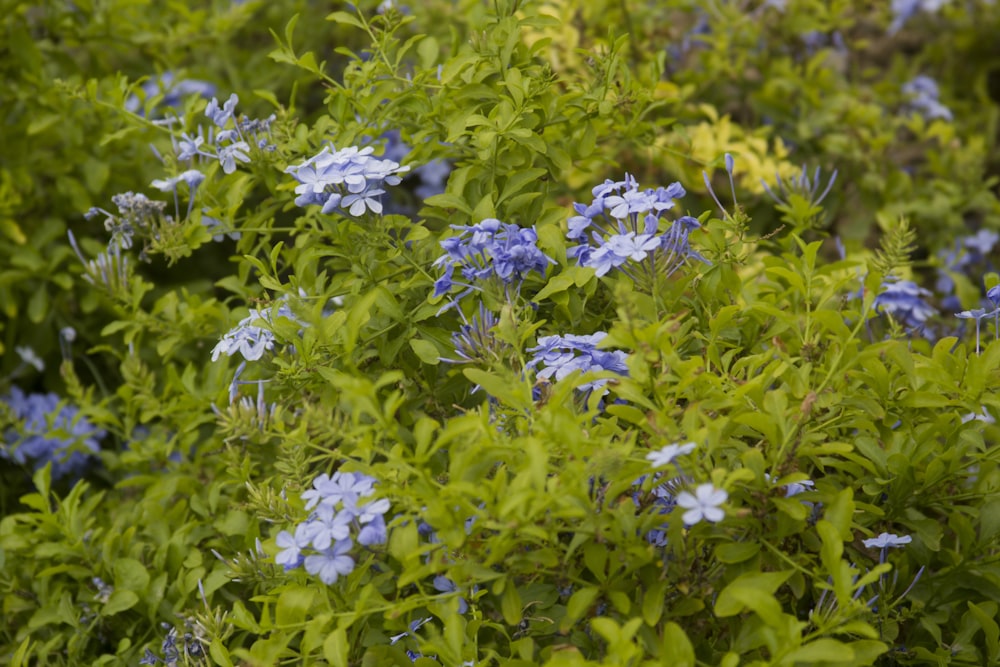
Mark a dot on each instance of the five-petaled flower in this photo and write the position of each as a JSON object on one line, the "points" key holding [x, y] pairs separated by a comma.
{"points": [[887, 540], [666, 455], [703, 504]]}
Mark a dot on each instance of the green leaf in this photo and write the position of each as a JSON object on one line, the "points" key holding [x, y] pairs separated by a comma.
{"points": [[753, 590], [519, 180], [577, 276], [131, 575], [426, 351], [510, 605], [986, 616], [335, 648], [429, 51], [219, 653], [119, 601], [578, 605], [736, 552], [516, 394], [346, 18], [822, 650], [676, 648], [448, 200], [293, 605], [652, 603], [20, 657]]}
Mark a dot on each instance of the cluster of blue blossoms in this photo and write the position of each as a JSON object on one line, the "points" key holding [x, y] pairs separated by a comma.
{"points": [[229, 144], [924, 98], [562, 355], [622, 225], [349, 180], [250, 340], [323, 542], [51, 434], [905, 301], [490, 250]]}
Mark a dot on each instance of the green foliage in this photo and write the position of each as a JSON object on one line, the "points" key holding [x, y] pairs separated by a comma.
{"points": [[528, 524]]}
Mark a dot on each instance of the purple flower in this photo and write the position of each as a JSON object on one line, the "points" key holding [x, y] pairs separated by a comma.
{"points": [[221, 116], [51, 433], [351, 179], [332, 563], [490, 250], [563, 355], [343, 487], [903, 300], [446, 585], [923, 94], [624, 226], [291, 555]]}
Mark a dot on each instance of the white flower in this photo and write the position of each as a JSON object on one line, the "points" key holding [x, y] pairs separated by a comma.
{"points": [[669, 453], [887, 540], [704, 504]]}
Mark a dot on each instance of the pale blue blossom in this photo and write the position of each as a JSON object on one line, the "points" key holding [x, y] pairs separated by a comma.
{"points": [[667, 454], [704, 504]]}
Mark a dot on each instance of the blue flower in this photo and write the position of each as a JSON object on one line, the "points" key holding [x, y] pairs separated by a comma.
{"points": [[705, 504], [887, 540], [343, 487], [620, 229], [222, 116], [228, 155], [490, 250], [248, 339], [667, 454], [292, 545], [563, 355], [51, 434], [350, 178], [446, 585], [923, 94], [330, 564], [903, 300], [323, 542]]}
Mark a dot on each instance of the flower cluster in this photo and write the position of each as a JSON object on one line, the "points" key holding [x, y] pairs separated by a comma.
{"points": [[136, 212], [248, 339], [51, 433], [923, 94], [704, 504], [323, 542], [969, 255], [904, 300], [226, 144], [622, 225], [475, 341], [350, 180], [562, 355], [489, 250]]}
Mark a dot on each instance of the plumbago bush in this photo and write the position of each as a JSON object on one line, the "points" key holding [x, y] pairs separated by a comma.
{"points": [[507, 333]]}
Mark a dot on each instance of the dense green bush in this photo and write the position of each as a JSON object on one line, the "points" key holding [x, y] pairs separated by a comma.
{"points": [[502, 333]]}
